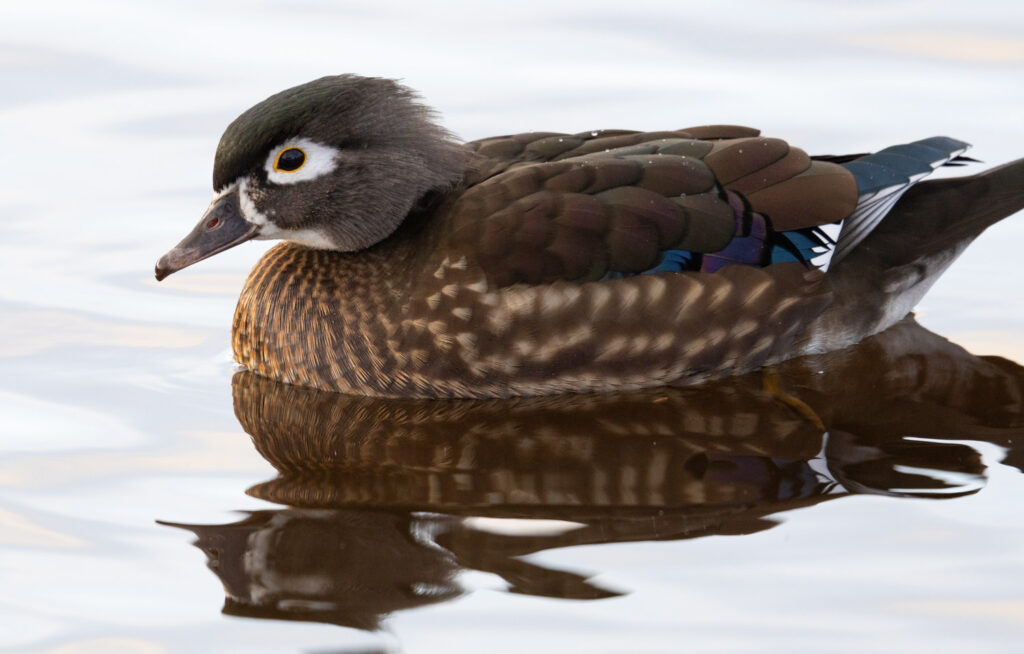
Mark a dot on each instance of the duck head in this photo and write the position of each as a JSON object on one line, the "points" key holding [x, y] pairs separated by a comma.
{"points": [[336, 163]]}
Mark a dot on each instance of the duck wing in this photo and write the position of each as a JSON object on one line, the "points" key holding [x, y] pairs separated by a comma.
{"points": [[499, 153], [567, 207]]}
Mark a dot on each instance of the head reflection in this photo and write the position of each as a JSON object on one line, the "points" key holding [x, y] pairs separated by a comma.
{"points": [[389, 500]]}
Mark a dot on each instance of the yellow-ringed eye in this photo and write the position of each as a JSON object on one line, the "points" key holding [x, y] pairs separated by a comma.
{"points": [[289, 160]]}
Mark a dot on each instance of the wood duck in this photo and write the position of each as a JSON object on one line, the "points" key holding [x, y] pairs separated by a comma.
{"points": [[417, 266]]}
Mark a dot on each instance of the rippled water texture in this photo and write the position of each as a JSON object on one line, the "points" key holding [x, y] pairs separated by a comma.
{"points": [[151, 500]]}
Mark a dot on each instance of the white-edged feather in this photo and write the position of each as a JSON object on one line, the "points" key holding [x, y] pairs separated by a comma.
{"points": [[872, 208], [865, 218]]}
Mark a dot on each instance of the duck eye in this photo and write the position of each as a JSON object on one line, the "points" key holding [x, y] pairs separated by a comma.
{"points": [[289, 160]]}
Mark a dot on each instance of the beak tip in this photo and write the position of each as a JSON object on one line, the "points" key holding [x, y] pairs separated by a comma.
{"points": [[163, 269]]}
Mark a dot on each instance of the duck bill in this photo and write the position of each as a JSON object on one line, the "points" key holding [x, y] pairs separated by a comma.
{"points": [[222, 226]]}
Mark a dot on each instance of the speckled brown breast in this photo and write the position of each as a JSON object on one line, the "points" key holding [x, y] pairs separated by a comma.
{"points": [[377, 323]]}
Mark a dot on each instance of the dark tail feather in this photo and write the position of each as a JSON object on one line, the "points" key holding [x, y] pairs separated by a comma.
{"points": [[887, 274], [936, 215]]}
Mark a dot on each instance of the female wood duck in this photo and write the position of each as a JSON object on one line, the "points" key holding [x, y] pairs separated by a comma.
{"points": [[540, 263]]}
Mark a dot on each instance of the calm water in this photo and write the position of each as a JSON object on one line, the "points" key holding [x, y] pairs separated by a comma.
{"points": [[153, 500]]}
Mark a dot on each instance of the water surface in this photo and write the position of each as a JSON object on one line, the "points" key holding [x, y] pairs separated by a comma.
{"points": [[151, 500]]}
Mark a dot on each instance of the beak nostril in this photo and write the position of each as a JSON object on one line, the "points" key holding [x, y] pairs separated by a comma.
{"points": [[212, 223]]}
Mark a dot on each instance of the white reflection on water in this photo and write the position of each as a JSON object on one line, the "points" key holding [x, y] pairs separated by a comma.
{"points": [[116, 403]]}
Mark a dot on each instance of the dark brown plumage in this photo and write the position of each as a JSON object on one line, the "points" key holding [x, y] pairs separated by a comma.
{"points": [[546, 263]]}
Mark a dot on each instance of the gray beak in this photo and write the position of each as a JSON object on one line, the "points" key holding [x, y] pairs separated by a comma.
{"points": [[220, 228]]}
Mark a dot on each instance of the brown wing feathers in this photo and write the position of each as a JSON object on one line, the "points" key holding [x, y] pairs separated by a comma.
{"points": [[581, 219], [577, 207], [502, 152], [783, 183]]}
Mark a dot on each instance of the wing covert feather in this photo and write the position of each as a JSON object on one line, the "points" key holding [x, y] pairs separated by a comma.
{"points": [[547, 206], [583, 218]]}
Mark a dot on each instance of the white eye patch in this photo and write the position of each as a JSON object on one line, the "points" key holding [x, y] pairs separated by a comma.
{"points": [[300, 160]]}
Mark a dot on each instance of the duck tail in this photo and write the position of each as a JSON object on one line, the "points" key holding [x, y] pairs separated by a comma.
{"points": [[940, 214], [883, 178], [886, 275]]}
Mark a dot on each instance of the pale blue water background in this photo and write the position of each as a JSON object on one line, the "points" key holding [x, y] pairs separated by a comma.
{"points": [[114, 391]]}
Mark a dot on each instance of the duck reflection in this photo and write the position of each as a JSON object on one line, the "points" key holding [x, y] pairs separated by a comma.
{"points": [[390, 500]]}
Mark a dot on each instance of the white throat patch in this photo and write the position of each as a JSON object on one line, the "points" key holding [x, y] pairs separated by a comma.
{"points": [[249, 210]]}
